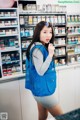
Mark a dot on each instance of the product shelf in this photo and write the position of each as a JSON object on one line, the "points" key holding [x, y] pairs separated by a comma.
{"points": [[8, 35], [12, 26], [58, 35], [73, 34], [8, 17], [63, 45], [24, 12], [73, 39], [4, 9], [73, 54], [11, 78], [28, 27], [28, 22], [68, 45], [10, 50], [73, 24]]}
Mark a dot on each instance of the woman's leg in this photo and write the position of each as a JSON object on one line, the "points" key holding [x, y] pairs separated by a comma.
{"points": [[43, 113], [55, 110]]}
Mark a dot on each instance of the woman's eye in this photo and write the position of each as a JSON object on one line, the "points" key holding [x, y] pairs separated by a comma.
{"points": [[44, 32]]}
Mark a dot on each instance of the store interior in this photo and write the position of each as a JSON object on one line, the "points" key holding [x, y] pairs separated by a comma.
{"points": [[17, 23]]}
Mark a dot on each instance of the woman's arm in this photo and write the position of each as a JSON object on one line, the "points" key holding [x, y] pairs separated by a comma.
{"points": [[40, 65]]}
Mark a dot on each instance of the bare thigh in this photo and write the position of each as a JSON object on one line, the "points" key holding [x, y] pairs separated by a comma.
{"points": [[43, 113], [55, 110]]}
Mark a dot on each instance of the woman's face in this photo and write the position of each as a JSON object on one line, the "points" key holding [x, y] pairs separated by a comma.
{"points": [[46, 34]]}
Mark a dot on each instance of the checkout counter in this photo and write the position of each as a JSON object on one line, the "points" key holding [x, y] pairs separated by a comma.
{"points": [[73, 115]]}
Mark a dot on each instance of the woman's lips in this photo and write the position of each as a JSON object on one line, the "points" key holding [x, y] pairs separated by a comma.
{"points": [[47, 40]]}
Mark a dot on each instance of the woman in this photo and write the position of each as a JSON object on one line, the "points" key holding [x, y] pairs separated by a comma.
{"points": [[42, 70]]}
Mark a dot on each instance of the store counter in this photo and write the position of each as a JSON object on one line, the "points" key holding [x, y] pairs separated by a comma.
{"points": [[73, 115]]}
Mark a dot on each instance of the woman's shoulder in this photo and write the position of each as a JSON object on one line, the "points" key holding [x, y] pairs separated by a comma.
{"points": [[37, 47], [36, 44]]}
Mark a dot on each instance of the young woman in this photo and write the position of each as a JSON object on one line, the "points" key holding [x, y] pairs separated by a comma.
{"points": [[42, 70]]}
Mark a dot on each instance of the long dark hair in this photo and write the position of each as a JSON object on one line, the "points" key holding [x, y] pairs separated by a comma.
{"points": [[36, 35]]}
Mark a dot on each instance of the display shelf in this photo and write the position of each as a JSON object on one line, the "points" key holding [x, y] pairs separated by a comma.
{"points": [[9, 43], [73, 44], [73, 39], [59, 24], [4, 9], [63, 45], [13, 26], [8, 35], [26, 38], [11, 78], [24, 12], [8, 49], [59, 35], [1, 17], [10, 62], [73, 18], [67, 35], [74, 63], [28, 22], [73, 24], [0, 67], [27, 25], [73, 34], [74, 54], [59, 56]]}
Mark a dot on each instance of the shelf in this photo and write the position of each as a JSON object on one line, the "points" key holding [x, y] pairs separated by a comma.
{"points": [[73, 34], [27, 25], [58, 56], [11, 17], [35, 25], [35, 13], [69, 45], [11, 26], [58, 35], [74, 37], [8, 8], [25, 37], [74, 63], [59, 24], [60, 45], [73, 54], [73, 24], [12, 77], [10, 62], [8, 35], [24, 49], [67, 66], [8, 49], [24, 12]]}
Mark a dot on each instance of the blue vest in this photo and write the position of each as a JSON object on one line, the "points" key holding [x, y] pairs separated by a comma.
{"points": [[41, 85]]}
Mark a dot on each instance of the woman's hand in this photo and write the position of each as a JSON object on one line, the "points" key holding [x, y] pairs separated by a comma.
{"points": [[51, 50]]}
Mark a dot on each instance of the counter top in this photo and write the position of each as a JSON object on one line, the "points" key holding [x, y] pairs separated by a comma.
{"points": [[73, 115], [22, 75]]}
